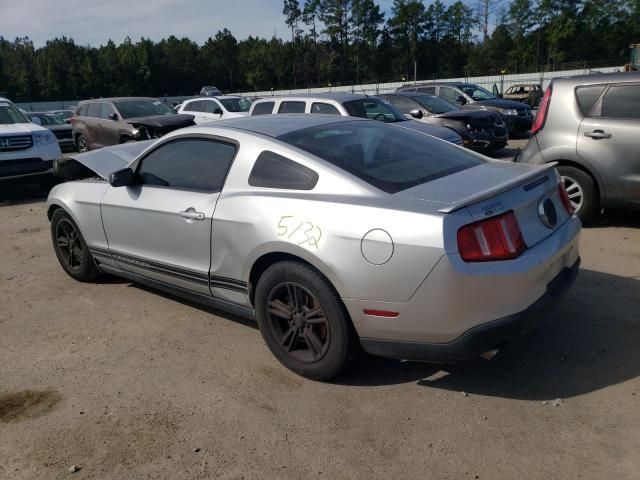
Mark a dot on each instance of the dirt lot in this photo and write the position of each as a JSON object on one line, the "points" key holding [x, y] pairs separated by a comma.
{"points": [[128, 383]]}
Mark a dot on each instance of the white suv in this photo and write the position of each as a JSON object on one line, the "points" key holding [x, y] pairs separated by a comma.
{"points": [[26, 149], [210, 109]]}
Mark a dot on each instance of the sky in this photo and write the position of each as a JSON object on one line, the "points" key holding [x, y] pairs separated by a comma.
{"points": [[93, 22]]}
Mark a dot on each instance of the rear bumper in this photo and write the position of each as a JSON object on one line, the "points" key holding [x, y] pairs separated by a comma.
{"points": [[482, 338]]}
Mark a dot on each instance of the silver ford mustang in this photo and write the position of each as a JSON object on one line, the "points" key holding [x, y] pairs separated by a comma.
{"points": [[337, 234]]}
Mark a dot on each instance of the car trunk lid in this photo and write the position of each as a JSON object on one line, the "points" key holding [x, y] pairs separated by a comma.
{"points": [[531, 192]]}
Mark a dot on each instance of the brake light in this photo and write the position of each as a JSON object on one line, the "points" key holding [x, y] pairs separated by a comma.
{"points": [[496, 238], [543, 108], [564, 197]]}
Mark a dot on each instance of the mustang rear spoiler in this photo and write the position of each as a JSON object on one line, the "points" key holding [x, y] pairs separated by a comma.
{"points": [[498, 189]]}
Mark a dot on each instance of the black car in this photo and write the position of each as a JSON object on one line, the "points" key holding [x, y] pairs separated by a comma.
{"points": [[481, 130], [66, 114], [58, 126], [516, 115]]}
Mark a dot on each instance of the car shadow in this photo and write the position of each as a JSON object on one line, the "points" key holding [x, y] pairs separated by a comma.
{"points": [[25, 192], [629, 218], [204, 308], [588, 343]]}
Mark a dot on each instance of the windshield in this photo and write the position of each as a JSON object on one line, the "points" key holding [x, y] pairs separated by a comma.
{"points": [[374, 109], [9, 114], [389, 158], [435, 105], [66, 114], [46, 119], [236, 104], [476, 92], [143, 108]]}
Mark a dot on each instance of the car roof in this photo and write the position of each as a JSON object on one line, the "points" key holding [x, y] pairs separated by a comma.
{"points": [[218, 97], [117, 99], [337, 96], [598, 78], [277, 125]]}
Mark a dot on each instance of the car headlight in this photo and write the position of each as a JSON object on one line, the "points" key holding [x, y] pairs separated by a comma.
{"points": [[44, 138], [135, 132], [509, 111], [468, 126]]}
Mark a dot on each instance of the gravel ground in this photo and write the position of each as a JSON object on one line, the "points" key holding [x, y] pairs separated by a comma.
{"points": [[116, 381]]}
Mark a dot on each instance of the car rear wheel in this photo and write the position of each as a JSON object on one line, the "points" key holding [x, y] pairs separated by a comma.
{"points": [[303, 322], [71, 249], [82, 144], [581, 190]]}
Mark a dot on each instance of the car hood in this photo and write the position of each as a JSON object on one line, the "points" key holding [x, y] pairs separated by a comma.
{"points": [[163, 121], [20, 128], [433, 130], [501, 103], [59, 128], [110, 159]]}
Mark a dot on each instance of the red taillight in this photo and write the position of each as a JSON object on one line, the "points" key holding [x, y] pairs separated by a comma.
{"points": [[564, 196], [543, 108], [497, 238]]}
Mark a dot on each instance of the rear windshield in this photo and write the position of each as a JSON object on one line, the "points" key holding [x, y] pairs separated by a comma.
{"points": [[388, 157]]}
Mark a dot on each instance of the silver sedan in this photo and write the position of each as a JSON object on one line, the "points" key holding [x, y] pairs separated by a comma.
{"points": [[337, 234]]}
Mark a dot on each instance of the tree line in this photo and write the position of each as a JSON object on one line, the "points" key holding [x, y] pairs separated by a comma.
{"points": [[333, 42]]}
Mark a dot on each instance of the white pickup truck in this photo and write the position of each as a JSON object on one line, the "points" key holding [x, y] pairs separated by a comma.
{"points": [[27, 150]]}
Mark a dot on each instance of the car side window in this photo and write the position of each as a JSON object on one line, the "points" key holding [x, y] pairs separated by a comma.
{"points": [[405, 105], [621, 101], [588, 96], [292, 107], [263, 108], [325, 108], [194, 107], [195, 164], [429, 90], [93, 110], [449, 94], [275, 171], [105, 110], [210, 106]]}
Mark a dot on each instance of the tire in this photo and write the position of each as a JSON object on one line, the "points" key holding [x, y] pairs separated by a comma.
{"points": [[315, 340], [64, 232], [81, 144], [581, 190]]}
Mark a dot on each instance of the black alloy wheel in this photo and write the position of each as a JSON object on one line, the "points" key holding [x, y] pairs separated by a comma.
{"points": [[71, 249], [298, 320]]}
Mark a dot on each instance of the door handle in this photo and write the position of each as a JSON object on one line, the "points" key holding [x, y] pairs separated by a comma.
{"points": [[191, 214], [597, 134]]}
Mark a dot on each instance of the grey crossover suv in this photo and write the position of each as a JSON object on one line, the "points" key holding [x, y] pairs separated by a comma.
{"points": [[590, 125]]}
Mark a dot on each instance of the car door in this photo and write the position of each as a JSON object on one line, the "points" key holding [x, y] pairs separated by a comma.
{"points": [[109, 131], [160, 227], [608, 140], [93, 126], [195, 108], [212, 110]]}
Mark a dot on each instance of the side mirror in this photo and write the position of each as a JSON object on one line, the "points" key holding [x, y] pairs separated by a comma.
{"points": [[461, 100], [416, 113], [122, 178], [113, 116], [217, 111]]}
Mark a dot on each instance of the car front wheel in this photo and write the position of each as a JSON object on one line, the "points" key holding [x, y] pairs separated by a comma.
{"points": [[71, 249], [303, 321], [82, 144]]}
